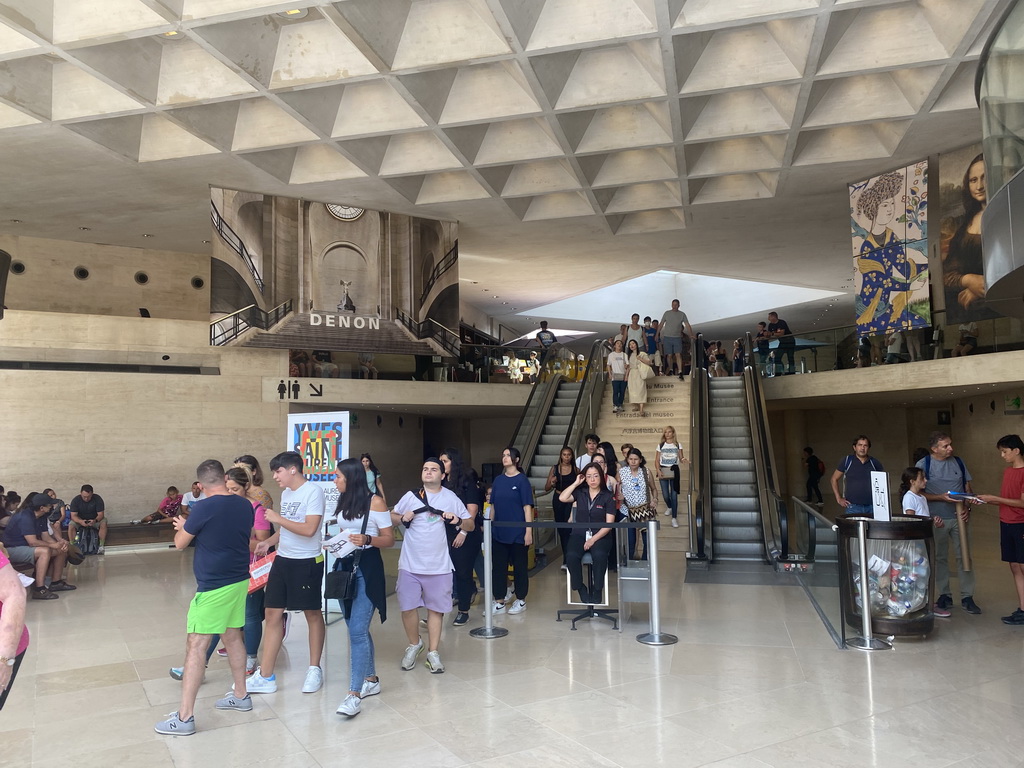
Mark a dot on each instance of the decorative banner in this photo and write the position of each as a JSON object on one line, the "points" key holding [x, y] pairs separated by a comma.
{"points": [[889, 222], [322, 439], [962, 199]]}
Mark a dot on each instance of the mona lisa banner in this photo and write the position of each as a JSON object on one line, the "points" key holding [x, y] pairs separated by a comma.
{"points": [[962, 199], [889, 223]]}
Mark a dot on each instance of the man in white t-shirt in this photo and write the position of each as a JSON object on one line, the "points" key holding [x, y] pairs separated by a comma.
{"points": [[296, 577], [424, 565], [194, 496]]}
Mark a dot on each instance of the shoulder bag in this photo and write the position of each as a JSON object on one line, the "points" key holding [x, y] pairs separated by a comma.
{"points": [[340, 584]]}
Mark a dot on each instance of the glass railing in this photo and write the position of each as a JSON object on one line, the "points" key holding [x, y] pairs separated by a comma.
{"points": [[699, 496], [999, 88], [840, 348], [588, 400]]}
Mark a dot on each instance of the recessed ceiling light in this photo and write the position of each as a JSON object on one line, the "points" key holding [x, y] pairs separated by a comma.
{"points": [[16, 221], [206, 242], [173, 35], [147, 235], [494, 297], [294, 13], [85, 229]]}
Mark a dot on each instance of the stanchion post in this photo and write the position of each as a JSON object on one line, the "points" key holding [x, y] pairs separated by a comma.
{"points": [[868, 642], [488, 631], [655, 636]]}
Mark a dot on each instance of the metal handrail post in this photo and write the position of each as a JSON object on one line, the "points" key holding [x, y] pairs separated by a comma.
{"points": [[868, 642], [655, 636], [488, 631]]}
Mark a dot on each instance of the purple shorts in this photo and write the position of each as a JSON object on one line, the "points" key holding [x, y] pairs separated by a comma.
{"points": [[430, 591]]}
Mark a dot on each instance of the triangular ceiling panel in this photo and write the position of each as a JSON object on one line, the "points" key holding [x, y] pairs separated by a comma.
{"points": [[74, 20], [624, 127], [726, 189], [848, 143], [540, 177], [316, 52], [79, 94], [122, 135], [738, 113], [641, 197], [448, 31], [381, 32], [635, 166], [717, 158], [263, 124], [190, 74], [214, 123], [28, 83], [773, 52], [318, 163], [571, 22], [413, 153], [959, 91], [132, 64], [641, 222], [12, 41], [163, 140], [868, 97], [697, 13], [250, 44], [13, 118], [516, 140], [878, 38], [621, 73], [449, 187], [373, 107], [560, 205], [488, 91]]}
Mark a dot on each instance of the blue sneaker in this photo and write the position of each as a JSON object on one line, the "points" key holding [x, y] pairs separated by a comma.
{"points": [[175, 726]]}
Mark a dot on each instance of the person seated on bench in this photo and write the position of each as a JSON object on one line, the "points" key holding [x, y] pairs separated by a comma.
{"points": [[87, 510], [167, 510], [595, 504], [28, 541]]}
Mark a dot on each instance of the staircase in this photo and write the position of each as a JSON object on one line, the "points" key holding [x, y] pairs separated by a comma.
{"points": [[735, 507], [668, 403], [552, 438], [297, 333]]}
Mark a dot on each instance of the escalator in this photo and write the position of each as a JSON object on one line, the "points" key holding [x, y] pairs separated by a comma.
{"points": [[737, 512], [552, 437]]}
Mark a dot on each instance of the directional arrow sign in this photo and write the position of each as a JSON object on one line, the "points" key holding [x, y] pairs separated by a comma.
{"points": [[317, 391]]}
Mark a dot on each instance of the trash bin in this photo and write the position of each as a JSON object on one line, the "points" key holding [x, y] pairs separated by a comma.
{"points": [[901, 588]]}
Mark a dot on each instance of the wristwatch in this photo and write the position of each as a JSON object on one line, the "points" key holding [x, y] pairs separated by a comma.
{"points": [[6, 661]]}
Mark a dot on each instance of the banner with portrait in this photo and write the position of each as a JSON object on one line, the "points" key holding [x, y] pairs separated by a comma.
{"points": [[889, 225], [962, 200]]}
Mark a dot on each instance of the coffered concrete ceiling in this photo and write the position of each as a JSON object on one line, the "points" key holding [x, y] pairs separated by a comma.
{"points": [[578, 142]]}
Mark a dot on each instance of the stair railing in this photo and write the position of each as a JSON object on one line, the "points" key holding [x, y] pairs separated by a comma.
{"points": [[228, 328], [450, 260], [229, 236]]}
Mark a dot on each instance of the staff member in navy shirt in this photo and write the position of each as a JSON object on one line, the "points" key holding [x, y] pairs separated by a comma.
{"points": [[512, 500]]}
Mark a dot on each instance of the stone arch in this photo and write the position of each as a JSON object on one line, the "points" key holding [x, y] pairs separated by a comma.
{"points": [[345, 261]]}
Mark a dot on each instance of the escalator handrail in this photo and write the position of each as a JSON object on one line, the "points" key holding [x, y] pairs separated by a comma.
{"points": [[542, 395], [773, 507], [700, 458], [593, 375]]}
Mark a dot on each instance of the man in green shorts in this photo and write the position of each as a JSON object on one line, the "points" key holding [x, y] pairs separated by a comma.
{"points": [[221, 525]]}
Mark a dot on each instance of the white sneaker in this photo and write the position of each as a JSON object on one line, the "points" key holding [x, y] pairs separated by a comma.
{"points": [[509, 594], [314, 680], [518, 606], [433, 663], [675, 523], [565, 567], [498, 607], [412, 652], [668, 511], [350, 706], [370, 688], [250, 665], [260, 684]]}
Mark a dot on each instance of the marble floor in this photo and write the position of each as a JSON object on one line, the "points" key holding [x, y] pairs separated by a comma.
{"points": [[754, 681]]}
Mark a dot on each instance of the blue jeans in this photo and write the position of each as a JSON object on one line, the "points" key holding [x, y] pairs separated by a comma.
{"points": [[860, 509], [668, 492], [618, 393], [253, 629], [360, 643], [631, 543]]}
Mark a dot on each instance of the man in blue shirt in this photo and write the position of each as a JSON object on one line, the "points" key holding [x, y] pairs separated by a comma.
{"points": [[856, 468], [221, 525], [28, 541]]}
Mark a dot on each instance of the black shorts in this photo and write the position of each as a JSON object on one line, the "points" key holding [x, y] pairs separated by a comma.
{"points": [[295, 585], [1011, 542]]}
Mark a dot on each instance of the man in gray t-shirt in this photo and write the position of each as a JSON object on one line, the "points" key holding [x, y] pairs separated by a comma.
{"points": [[670, 334], [946, 474]]}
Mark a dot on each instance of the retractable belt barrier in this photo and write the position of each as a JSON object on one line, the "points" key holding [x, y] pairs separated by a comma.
{"points": [[654, 637]]}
